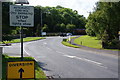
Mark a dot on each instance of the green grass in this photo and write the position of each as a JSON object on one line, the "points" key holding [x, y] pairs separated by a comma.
{"points": [[38, 72], [66, 43], [73, 37], [92, 42], [88, 41], [24, 39]]}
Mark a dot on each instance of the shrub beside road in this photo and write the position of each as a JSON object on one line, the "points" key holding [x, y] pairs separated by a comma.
{"points": [[67, 43]]}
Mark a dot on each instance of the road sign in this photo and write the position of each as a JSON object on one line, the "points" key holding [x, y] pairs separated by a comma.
{"points": [[44, 33], [21, 70], [21, 16]]}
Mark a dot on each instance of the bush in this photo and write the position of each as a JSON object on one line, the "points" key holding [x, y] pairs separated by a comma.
{"points": [[52, 34], [65, 40], [10, 37], [113, 44], [7, 37]]}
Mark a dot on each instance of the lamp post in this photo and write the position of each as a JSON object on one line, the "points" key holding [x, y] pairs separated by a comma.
{"points": [[21, 28]]}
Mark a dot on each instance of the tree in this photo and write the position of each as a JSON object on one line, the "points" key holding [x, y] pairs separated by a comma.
{"points": [[55, 18], [104, 23], [38, 30], [63, 27], [45, 28], [5, 18], [70, 27]]}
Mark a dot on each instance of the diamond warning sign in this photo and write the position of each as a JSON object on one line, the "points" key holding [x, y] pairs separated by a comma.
{"points": [[21, 70]]}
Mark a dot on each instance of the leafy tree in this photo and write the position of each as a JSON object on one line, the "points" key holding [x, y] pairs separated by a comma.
{"points": [[38, 30], [70, 27], [63, 27], [104, 23], [45, 28], [5, 18]]}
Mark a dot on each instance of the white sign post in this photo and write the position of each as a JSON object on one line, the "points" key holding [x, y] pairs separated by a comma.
{"points": [[21, 16]]}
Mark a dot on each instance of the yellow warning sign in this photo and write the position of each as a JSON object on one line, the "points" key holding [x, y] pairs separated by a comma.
{"points": [[21, 69]]}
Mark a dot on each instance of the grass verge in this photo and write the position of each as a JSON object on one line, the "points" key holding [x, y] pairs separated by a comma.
{"points": [[38, 72], [24, 39], [92, 42], [89, 41], [66, 43]]}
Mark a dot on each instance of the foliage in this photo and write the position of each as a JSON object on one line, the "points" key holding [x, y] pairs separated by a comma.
{"points": [[5, 18], [104, 23], [70, 27], [49, 19], [38, 30], [45, 28]]}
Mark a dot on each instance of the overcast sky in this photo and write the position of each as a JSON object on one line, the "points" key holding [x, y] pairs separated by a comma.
{"points": [[82, 6]]}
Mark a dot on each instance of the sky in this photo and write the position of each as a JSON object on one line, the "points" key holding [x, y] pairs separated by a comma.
{"points": [[82, 6]]}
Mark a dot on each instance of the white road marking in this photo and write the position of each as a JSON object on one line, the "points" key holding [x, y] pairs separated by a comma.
{"points": [[45, 43], [60, 52], [87, 60], [25, 44], [90, 61], [26, 51], [6, 46], [102, 66], [49, 48], [70, 56], [73, 57]]}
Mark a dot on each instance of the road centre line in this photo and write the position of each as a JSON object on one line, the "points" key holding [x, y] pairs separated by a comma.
{"points": [[49, 48], [69, 56], [87, 60], [73, 57], [45, 43], [84, 59], [60, 52]]}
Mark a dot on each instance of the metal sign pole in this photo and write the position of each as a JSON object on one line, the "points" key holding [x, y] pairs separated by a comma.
{"points": [[21, 36]]}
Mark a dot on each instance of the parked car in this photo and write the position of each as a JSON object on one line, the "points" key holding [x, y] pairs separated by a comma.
{"points": [[69, 34]]}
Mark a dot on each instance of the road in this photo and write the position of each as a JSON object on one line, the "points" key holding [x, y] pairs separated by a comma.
{"points": [[58, 60]]}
